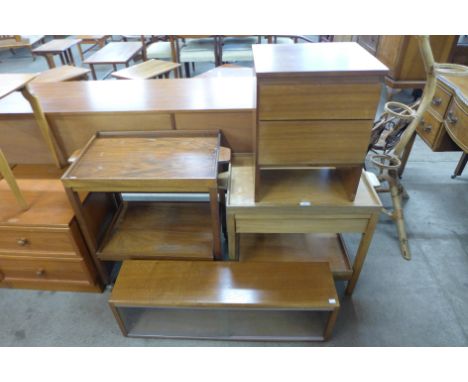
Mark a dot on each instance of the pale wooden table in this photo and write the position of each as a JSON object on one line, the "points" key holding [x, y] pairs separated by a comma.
{"points": [[62, 73], [113, 54], [147, 70], [62, 47], [94, 39]]}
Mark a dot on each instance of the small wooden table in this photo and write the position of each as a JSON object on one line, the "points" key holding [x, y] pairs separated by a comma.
{"points": [[94, 39], [62, 47], [147, 70], [113, 54], [300, 218], [160, 161], [62, 73], [225, 300]]}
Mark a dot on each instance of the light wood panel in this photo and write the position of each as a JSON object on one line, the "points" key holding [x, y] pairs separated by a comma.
{"points": [[225, 285], [312, 142], [12, 82], [146, 70], [114, 52]]}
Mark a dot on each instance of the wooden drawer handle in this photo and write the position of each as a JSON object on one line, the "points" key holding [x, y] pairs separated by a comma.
{"points": [[452, 119], [40, 272], [436, 101], [23, 241]]}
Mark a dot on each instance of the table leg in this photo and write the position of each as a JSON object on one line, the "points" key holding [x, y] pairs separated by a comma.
{"points": [[231, 236], [50, 61], [93, 72], [80, 51], [216, 223], [7, 174], [63, 57], [80, 214], [330, 324], [70, 55], [362, 253], [460, 166]]}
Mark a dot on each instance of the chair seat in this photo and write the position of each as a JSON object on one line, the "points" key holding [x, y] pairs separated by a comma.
{"points": [[198, 50], [159, 50], [284, 40], [237, 52]]}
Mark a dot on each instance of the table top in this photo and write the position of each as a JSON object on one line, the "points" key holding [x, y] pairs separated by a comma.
{"points": [[146, 70], [319, 188], [61, 73], [316, 59], [92, 36], [115, 53], [159, 161], [228, 70], [43, 190], [225, 284], [12, 82], [57, 46]]}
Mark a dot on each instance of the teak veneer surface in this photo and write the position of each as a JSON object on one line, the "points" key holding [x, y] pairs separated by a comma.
{"points": [[12, 82], [459, 85], [161, 95], [43, 190], [161, 230], [140, 161], [114, 52], [224, 285], [320, 187], [325, 59]]}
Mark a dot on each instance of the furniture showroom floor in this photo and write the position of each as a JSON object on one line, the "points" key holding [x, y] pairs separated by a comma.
{"points": [[422, 302]]}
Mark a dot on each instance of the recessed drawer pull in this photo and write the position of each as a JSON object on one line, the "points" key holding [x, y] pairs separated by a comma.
{"points": [[40, 272], [23, 241], [452, 119], [437, 101]]}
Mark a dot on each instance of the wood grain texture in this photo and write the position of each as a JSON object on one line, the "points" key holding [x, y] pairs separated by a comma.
{"points": [[146, 70], [312, 142], [115, 52], [56, 46], [331, 59], [259, 247], [61, 73], [168, 95], [160, 231], [12, 82], [456, 123], [146, 161], [226, 285], [304, 99]]}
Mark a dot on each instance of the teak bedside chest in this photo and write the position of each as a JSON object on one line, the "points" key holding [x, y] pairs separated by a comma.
{"points": [[316, 105], [42, 247]]}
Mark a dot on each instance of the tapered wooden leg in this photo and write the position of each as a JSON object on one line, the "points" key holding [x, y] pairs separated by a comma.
{"points": [[216, 223], [93, 72], [362, 253], [6, 172], [75, 202], [41, 120], [460, 166], [70, 54], [50, 61], [62, 58], [231, 236], [80, 51]]}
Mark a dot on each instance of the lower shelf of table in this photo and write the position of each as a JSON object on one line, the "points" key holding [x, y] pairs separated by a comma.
{"points": [[165, 230], [223, 324], [291, 247]]}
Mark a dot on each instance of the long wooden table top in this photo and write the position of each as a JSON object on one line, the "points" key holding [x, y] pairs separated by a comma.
{"points": [[115, 53], [195, 284], [56, 46], [162, 95]]}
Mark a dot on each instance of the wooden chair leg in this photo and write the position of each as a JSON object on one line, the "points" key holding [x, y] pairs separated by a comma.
{"points": [[460, 166], [187, 69], [6, 172]]}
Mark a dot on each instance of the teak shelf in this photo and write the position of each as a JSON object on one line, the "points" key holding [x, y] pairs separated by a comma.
{"points": [[225, 300], [152, 162], [315, 108]]}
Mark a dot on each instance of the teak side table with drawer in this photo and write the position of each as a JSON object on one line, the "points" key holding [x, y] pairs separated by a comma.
{"points": [[316, 104], [42, 247], [300, 218]]}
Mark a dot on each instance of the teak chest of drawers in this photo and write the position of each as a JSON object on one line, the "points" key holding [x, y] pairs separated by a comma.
{"points": [[315, 108], [42, 247]]}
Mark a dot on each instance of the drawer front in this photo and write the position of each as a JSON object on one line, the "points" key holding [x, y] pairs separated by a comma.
{"points": [[42, 270], [456, 122], [429, 128], [313, 142], [32, 240], [296, 101], [440, 102]]}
